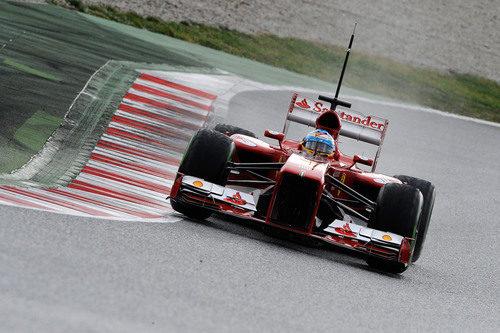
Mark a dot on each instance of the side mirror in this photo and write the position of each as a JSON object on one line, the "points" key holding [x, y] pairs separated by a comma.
{"points": [[274, 135], [362, 160]]}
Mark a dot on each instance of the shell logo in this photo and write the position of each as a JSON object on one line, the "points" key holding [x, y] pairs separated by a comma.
{"points": [[197, 183], [386, 237]]}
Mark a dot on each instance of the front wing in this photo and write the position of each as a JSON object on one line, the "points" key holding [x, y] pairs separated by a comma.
{"points": [[226, 200]]}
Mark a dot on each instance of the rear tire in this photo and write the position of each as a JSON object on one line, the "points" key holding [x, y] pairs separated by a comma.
{"points": [[398, 210], [429, 193], [205, 157], [225, 128]]}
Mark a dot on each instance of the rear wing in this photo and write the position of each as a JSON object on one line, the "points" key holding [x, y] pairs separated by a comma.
{"points": [[355, 125]]}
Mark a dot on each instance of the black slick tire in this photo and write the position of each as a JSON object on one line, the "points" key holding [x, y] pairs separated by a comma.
{"points": [[225, 128], [429, 192], [326, 214], [398, 210], [205, 157]]}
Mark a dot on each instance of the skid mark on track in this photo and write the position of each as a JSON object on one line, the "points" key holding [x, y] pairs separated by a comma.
{"points": [[131, 170]]}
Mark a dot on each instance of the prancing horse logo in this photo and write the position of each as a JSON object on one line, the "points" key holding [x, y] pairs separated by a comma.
{"points": [[236, 199], [345, 230]]}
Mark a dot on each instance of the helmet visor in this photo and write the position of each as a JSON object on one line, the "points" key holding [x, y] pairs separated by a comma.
{"points": [[318, 148]]}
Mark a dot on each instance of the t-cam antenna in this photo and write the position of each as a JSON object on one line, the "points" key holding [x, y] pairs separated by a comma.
{"points": [[335, 101]]}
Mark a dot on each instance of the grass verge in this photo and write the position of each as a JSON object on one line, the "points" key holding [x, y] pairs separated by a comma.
{"points": [[458, 93], [36, 130]]}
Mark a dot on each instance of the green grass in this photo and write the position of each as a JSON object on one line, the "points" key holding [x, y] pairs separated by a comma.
{"points": [[458, 93], [31, 70], [36, 130]]}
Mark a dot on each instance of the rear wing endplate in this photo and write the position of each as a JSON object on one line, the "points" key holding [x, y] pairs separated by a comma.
{"points": [[355, 125]]}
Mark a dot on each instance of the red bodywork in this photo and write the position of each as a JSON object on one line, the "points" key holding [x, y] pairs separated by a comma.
{"points": [[341, 167]]}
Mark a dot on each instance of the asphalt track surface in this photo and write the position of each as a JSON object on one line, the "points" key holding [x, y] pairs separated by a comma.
{"points": [[68, 273]]}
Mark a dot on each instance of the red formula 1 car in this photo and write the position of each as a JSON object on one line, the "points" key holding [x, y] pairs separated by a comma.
{"points": [[293, 190]]}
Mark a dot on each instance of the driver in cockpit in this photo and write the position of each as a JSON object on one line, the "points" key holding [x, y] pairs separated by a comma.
{"points": [[318, 144]]}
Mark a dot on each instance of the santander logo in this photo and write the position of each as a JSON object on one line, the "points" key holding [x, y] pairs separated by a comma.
{"points": [[303, 104], [366, 121], [345, 116]]}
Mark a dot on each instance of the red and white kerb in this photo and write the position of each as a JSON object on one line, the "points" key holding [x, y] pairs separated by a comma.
{"points": [[130, 171]]}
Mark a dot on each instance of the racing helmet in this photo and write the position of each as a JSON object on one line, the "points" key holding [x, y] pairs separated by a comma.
{"points": [[318, 143]]}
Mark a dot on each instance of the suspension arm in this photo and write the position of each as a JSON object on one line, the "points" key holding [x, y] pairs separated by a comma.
{"points": [[346, 189]]}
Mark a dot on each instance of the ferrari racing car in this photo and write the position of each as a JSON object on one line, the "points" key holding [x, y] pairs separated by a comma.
{"points": [[308, 188]]}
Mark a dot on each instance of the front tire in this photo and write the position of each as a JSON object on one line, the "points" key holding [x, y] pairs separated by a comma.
{"points": [[326, 214], [205, 157], [225, 128], [398, 210], [429, 192]]}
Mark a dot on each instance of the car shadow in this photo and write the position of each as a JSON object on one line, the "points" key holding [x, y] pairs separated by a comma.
{"points": [[243, 228]]}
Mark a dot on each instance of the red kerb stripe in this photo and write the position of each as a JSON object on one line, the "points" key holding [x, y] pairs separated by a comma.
{"points": [[155, 116], [103, 204], [165, 106], [178, 86], [24, 202], [131, 166], [150, 128], [84, 186], [126, 180], [170, 96], [128, 135], [58, 202], [137, 152]]}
